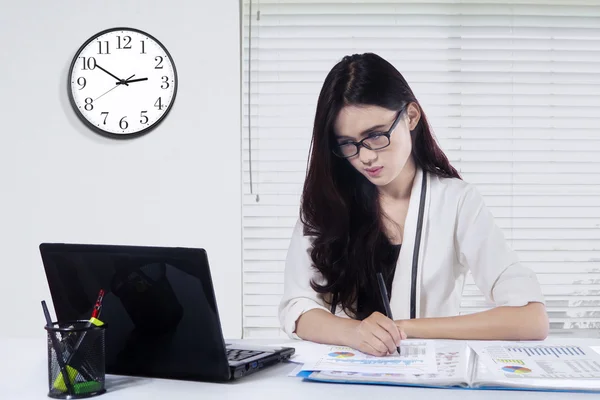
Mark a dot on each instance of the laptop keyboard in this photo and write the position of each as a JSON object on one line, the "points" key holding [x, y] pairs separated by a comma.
{"points": [[239, 355]]}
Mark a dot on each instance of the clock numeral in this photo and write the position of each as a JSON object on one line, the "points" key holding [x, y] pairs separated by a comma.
{"points": [[165, 84], [123, 124], [160, 60], [79, 82], [143, 47], [88, 104], [144, 119], [105, 113], [101, 45], [88, 63], [158, 104], [126, 40]]}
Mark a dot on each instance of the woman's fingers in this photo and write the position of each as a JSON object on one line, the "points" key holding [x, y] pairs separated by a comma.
{"points": [[385, 337], [379, 335], [368, 348], [391, 327]]}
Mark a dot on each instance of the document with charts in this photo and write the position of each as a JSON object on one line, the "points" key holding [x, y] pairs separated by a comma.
{"points": [[546, 366], [451, 358], [537, 365], [416, 357]]}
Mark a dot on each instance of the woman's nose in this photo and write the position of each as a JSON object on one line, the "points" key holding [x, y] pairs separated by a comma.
{"points": [[367, 156]]}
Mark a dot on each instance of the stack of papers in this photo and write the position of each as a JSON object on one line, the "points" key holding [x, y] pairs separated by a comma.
{"points": [[459, 364]]}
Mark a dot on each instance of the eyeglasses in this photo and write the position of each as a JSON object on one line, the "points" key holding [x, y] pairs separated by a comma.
{"points": [[375, 141]]}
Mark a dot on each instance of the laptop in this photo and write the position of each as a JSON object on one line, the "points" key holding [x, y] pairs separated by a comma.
{"points": [[159, 307]]}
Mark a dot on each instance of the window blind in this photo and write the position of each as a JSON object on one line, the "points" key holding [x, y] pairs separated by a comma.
{"points": [[512, 90]]}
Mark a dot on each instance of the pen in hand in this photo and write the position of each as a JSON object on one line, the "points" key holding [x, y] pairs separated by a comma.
{"points": [[386, 301]]}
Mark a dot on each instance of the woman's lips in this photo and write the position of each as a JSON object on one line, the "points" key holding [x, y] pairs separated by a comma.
{"points": [[374, 171]]}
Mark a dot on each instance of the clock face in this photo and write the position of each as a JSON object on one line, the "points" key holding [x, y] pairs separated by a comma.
{"points": [[122, 82]]}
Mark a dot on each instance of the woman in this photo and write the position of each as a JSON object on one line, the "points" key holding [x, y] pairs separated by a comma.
{"points": [[381, 196]]}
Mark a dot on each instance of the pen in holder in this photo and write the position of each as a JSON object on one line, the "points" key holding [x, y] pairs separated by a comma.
{"points": [[76, 359]]}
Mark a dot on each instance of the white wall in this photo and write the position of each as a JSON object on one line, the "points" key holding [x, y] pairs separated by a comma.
{"points": [[61, 182]]}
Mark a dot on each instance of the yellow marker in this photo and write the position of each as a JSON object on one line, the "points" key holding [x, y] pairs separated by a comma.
{"points": [[59, 382], [96, 321]]}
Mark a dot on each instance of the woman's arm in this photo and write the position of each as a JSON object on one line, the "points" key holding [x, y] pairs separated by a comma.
{"points": [[481, 247], [321, 326], [298, 298], [528, 322], [376, 335]]}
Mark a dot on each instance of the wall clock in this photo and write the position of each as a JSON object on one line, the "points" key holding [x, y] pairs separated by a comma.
{"points": [[122, 82]]}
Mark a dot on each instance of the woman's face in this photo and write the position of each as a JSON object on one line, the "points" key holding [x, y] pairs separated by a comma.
{"points": [[355, 123]]}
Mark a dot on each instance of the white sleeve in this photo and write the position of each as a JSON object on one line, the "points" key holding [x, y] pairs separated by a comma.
{"points": [[482, 248], [298, 296]]}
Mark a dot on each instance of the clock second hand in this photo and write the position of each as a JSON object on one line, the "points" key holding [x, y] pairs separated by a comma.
{"points": [[113, 88]]}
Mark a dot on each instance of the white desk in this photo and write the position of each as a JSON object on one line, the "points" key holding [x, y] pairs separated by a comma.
{"points": [[23, 375]]}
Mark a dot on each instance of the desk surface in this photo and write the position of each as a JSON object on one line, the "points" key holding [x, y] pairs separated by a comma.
{"points": [[23, 375]]}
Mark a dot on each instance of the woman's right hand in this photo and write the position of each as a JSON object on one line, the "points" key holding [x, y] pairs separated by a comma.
{"points": [[377, 335]]}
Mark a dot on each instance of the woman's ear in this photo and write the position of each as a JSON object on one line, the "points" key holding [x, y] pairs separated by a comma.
{"points": [[413, 112]]}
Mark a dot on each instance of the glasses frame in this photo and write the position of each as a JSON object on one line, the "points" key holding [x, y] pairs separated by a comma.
{"points": [[362, 143]]}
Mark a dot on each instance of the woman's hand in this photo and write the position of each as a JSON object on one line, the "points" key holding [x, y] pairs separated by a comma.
{"points": [[377, 335]]}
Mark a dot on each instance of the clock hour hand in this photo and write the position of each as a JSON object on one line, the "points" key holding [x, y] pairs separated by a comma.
{"points": [[135, 80], [118, 79]]}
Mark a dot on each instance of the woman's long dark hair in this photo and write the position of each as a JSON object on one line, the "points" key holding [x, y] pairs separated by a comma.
{"points": [[340, 207]]}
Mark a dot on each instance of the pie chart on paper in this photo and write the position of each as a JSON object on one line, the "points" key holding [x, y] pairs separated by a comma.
{"points": [[341, 354], [516, 370]]}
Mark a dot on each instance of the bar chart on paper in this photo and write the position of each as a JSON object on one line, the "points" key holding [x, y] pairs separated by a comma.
{"points": [[552, 351], [540, 361]]}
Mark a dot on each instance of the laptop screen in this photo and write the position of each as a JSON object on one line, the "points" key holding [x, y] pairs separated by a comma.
{"points": [[159, 305]]}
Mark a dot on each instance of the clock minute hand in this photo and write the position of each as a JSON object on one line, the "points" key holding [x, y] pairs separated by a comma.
{"points": [[119, 79]]}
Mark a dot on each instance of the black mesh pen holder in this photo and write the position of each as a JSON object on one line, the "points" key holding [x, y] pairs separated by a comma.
{"points": [[76, 359]]}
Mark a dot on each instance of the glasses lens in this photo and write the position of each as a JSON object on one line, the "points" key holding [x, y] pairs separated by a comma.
{"points": [[345, 150], [377, 141]]}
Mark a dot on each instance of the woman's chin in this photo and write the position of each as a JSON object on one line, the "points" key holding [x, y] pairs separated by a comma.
{"points": [[381, 180]]}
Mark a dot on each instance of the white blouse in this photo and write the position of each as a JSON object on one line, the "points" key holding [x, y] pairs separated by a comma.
{"points": [[458, 234]]}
